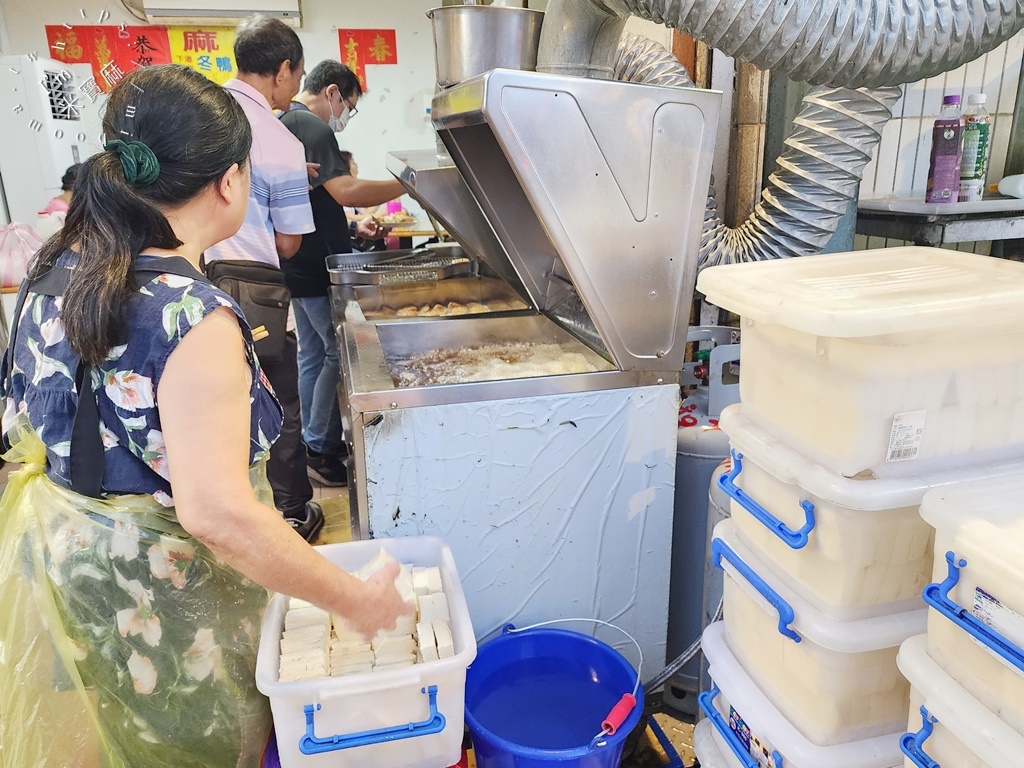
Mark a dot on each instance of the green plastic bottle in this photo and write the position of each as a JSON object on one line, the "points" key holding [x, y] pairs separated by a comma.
{"points": [[977, 144]]}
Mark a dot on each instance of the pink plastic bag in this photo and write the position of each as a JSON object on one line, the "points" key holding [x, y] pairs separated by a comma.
{"points": [[18, 244]]}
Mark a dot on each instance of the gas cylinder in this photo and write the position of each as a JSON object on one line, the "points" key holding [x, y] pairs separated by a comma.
{"points": [[700, 449]]}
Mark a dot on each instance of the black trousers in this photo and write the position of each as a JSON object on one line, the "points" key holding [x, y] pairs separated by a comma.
{"points": [[286, 469]]}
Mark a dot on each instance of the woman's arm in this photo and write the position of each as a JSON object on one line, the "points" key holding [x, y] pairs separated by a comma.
{"points": [[204, 407]]}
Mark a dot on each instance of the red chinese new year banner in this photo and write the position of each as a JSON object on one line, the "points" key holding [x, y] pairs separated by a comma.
{"points": [[360, 47], [112, 51]]}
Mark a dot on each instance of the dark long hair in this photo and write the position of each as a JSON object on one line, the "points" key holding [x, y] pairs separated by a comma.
{"points": [[197, 132]]}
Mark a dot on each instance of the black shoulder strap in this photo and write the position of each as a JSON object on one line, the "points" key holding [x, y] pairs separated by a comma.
{"points": [[153, 266], [86, 456]]}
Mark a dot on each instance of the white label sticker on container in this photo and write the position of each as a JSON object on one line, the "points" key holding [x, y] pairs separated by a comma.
{"points": [[757, 749], [905, 438], [1006, 621]]}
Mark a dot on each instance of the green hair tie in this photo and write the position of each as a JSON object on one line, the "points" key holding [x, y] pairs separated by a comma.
{"points": [[140, 165]]}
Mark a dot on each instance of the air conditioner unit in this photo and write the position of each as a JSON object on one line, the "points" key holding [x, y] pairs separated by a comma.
{"points": [[211, 13]]}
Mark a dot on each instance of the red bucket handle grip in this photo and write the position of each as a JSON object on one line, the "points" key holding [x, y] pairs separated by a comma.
{"points": [[619, 714]]}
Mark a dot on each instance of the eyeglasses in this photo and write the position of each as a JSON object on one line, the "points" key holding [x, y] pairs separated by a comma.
{"points": [[352, 111]]}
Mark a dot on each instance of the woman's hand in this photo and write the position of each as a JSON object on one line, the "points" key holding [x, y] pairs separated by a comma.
{"points": [[380, 604]]}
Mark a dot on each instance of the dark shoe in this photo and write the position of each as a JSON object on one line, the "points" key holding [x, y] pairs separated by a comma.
{"points": [[326, 469], [307, 523]]}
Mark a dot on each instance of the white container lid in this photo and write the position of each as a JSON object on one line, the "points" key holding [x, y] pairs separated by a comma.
{"points": [[858, 636], [985, 514], [767, 722], [977, 98], [873, 293], [974, 724], [867, 494]]}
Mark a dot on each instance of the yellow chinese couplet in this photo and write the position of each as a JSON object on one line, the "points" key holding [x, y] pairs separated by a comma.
{"points": [[209, 51]]}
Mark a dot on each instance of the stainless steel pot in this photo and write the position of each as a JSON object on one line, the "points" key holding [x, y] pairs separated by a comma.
{"points": [[472, 39]]}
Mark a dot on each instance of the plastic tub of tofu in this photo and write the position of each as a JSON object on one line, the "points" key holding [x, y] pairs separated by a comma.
{"points": [[395, 701]]}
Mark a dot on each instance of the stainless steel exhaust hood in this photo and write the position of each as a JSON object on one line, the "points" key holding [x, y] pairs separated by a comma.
{"points": [[595, 191], [437, 185]]}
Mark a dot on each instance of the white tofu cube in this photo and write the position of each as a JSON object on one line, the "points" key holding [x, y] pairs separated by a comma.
{"points": [[311, 644], [420, 582], [390, 642], [350, 669], [318, 632], [398, 665], [305, 617], [434, 607], [341, 648], [347, 659], [443, 636], [427, 643], [344, 633]]}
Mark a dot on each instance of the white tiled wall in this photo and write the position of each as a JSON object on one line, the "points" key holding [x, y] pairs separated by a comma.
{"points": [[900, 165]]}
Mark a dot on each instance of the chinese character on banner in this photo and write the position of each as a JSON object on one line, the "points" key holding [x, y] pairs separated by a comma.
{"points": [[209, 51], [360, 47], [382, 46], [351, 41], [146, 51], [109, 49], [111, 74], [198, 40]]}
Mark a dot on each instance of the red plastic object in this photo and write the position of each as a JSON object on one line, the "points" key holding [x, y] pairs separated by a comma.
{"points": [[465, 761], [619, 714]]}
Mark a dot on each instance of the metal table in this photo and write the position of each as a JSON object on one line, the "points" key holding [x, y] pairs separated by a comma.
{"points": [[932, 224]]}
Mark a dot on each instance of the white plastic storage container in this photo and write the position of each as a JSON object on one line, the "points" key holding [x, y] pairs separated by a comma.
{"points": [[949, 728], [835, 681], [403, 718], [885, 362], [976, 616], [854, 547], [744, 729]]}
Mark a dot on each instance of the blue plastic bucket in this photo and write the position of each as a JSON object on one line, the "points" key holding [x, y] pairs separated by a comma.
{"points": [[539, 697]]}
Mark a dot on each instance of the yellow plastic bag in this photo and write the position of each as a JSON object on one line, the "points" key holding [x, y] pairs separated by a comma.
{"points": [[124, 643]]}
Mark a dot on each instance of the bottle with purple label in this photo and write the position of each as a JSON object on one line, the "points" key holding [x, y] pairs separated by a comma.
{"points": [[947, 152]]}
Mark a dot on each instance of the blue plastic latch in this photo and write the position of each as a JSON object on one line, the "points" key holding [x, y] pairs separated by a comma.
{"points": [[787, 616], [310, 744], [706, 701], [937, 596], [912, 744], [794, 539]]}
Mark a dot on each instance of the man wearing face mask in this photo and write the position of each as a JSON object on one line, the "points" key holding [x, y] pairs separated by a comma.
{"points": [[323, 109]]}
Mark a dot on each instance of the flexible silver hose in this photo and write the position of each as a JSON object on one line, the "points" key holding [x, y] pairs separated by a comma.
{"points": [[817, 175], [853, 43], [815, 180], [862, 48], [639, 59]]}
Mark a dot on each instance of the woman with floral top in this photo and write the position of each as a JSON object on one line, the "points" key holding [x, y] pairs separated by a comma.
{"points": [[129, 617]]}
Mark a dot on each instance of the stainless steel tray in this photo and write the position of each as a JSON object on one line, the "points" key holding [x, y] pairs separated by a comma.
{"points": [[399, 267]]}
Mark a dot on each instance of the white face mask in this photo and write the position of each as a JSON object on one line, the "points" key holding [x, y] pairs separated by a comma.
{"points": [[337, 124]]}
